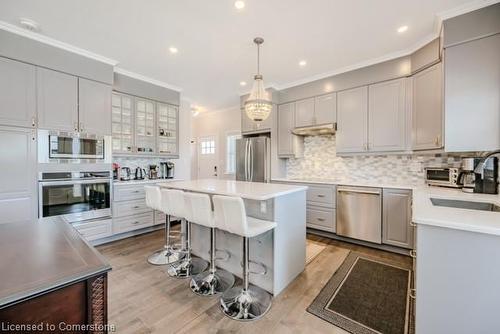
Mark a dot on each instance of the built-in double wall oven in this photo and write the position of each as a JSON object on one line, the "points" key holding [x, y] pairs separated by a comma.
{"points": [[74, 196]]}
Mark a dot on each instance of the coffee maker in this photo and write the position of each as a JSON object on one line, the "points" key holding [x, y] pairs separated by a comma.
{"points": [[468, 177], [167, 170]]}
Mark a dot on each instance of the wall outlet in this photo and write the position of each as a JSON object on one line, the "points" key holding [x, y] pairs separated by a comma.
{"points": [[263, 207]]}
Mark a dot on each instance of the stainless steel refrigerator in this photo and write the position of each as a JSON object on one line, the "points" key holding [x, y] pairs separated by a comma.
{"points": [[253, 159]]}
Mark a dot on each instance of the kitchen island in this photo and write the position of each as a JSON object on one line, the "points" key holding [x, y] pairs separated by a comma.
{"points": [[281, 250], [51, 278]]}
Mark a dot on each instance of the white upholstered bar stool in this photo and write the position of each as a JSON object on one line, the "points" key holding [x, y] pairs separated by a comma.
{"points": [[247, 302], [211, 281], [167, 254], [188, 266]]}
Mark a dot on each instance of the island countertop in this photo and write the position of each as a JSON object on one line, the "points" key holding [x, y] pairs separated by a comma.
{"points": [[248, 190], [39, 257]]}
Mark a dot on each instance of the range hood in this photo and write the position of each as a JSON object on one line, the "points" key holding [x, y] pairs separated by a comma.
{"points": [[316, 130]]}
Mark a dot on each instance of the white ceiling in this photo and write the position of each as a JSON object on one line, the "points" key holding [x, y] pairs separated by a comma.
{"points": [[214, 39]]}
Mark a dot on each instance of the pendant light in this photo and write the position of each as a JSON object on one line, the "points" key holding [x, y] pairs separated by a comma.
{"points": [[258, 106]]}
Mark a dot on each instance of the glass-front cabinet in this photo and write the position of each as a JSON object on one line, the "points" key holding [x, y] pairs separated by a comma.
{"points": [[144, 127], [122, 123], [167, 129]]}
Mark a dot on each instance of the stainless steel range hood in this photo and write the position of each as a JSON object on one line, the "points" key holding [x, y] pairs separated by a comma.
{"points": [[316, 130]]}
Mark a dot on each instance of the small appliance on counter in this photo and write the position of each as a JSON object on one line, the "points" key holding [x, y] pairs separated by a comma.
{"points": [[140, 173], [443, 177], [125, 174], [116, 171], [468, 176], [153, 172], [167, 170]]}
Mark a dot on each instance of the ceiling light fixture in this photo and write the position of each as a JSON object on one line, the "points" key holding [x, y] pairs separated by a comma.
{"points": [[302, 63], [173, 50], [243, 83], [29, 24], [239, 4], [402, 29], [259, 105]]}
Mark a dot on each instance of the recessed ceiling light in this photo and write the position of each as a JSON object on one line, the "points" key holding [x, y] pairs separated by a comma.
{"points": [[302, 63], [173, 50], [239, 4], [402, 29], [243, 83], [29, 24]]}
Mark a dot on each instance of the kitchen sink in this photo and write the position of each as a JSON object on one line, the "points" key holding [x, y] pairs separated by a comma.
{"points": [[482, 206]]}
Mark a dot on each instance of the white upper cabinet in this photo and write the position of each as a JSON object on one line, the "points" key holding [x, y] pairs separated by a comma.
{"points": [[145, 132], [122, 123], [352, 120], [167, 118], [304, 113], [249, 126], [94, 107], [472, 95], [286, 123], [57, 100], [17, 93], [325, 109], [427, 111], [387, 116]]}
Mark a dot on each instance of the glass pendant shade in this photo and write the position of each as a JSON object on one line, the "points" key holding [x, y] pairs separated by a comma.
{"points": [[258, 106]]}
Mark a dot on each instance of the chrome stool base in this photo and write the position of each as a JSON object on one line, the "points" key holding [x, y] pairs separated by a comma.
{"points": [[209, 283], [165, 256], [187, 268], [248, 305]]}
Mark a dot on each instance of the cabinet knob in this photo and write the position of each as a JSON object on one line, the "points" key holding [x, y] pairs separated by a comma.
{"points": [[81, 126], [33, 121]]}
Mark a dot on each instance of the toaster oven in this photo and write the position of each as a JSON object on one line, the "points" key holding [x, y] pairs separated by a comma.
{"points": [[443, 177]]}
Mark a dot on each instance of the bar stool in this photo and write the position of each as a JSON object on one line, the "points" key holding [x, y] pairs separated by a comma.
{"points": [[211, 281], [188, 266], [247, 302], [167, 254]]}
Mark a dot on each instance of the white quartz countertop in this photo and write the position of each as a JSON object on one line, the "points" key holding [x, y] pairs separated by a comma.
{"points": [[249, 190], [341, 182], [145, 181], [424, 212]]}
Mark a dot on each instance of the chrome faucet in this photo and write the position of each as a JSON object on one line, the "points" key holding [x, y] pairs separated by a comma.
{"points": [[482, 164]]}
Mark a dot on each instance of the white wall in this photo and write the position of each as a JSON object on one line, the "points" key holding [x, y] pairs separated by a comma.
{"points": [[218, 124]]}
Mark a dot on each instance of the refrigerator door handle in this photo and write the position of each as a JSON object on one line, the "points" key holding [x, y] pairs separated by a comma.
{"points": [[246, 160], [251, 161]]}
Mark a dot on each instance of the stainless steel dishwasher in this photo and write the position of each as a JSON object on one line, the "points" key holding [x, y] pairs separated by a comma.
{"points": [[359, 213]]}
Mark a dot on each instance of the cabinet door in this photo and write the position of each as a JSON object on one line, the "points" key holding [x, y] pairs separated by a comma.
{"points": [[472, 93], [387, 116], [427, 113], [94, 107], [286, 123], [57, 100], [18, 200], [352, 120], [304, 112], [145, 126], [396, 228], [17, 93], [122, 123], [325, 109], [168, 134]]}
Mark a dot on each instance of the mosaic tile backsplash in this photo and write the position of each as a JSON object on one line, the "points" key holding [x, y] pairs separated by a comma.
{"points": [[321, 162]]}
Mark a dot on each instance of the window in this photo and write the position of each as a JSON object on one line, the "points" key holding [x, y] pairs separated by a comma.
{"points": [[231, 152], [207, 146]]}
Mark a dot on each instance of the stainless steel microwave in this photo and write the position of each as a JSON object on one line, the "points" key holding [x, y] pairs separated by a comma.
{"points": [[56, 146], [444, 177]]}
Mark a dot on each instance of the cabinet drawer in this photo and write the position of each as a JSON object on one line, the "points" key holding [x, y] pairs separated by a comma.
{"points": [[320, 218], [321, 195], [131, 223], [95, 230], [126, 193], [128, 208]]}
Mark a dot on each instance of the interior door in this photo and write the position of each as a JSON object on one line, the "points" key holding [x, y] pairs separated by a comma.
{"points": [[207, 158]]}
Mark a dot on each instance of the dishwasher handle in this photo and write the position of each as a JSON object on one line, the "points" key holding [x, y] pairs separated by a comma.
{"points": [[359, 191]]}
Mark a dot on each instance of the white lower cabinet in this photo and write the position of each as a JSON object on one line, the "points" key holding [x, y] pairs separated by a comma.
{"points": [[321, 218], [396, 220], [134, 222], [96, 229]]}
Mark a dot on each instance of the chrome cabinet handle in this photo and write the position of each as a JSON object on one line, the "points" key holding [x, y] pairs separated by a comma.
{"points": [[136, 191], [321, 196], [412, 224], [321, 219], [136, 207], [413, 253], [136, 223]]}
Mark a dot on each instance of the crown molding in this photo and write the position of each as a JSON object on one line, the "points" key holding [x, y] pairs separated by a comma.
{"points": [[55, 43], [465, 8], [147, 79]]}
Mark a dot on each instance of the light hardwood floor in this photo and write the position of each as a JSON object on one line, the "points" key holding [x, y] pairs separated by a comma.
{"points": [[143, 299]]}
